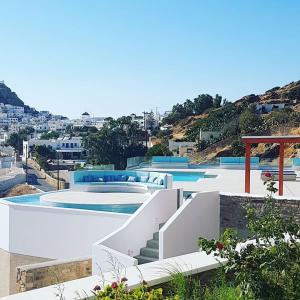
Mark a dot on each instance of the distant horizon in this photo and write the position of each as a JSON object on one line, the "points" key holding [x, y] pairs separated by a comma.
{"points": [[120, 57]]}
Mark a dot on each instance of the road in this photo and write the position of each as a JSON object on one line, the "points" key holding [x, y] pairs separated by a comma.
{"points": [[39, 183]]}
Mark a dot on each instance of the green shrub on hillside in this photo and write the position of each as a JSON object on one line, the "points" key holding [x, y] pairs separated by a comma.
{"points": [[159, 150]]}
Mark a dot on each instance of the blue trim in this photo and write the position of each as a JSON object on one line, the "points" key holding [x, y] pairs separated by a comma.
{"points": [[238, 160], [104, 176], [296, 161], [169, 159]]}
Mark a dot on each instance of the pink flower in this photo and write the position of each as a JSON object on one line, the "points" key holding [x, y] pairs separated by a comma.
{"points": [[124, 279], [268, 174], [114, 285], [219, 246]]}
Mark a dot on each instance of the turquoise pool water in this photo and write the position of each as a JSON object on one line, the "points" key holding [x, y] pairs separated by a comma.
{"points": [[34, 199], [186, 176]]}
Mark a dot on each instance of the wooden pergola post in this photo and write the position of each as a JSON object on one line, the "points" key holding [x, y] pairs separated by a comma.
{"points": [[247, 167], [281, 140], [281, 166]]}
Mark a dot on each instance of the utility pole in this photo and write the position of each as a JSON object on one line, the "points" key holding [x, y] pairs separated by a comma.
{"points": [[26, 160], [57, 170]]}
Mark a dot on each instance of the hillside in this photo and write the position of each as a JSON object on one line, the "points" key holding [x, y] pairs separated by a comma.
{"points": [[278, 113], [7, 96]]}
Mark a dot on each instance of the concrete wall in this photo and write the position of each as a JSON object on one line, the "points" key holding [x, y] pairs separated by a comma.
{"points": [[12, 178], [52, 232], [232, 211], [156, 273], [8, 266], [49, 179], [7, 162], [39, 275], [127, 241], [197, 217]]}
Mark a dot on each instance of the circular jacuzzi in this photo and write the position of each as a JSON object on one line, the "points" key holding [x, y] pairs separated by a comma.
{"points": [[110, 202]]}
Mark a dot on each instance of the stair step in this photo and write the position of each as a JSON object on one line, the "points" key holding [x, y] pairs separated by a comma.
{"points": [[149, 252], [161, 225], [156, 236], [144, 259], [152, 244]]}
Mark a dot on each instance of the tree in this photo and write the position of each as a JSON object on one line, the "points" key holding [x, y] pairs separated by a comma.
{"points": [[238, 148], [202, 103], [217, 101], [250, 122], [189, 107], [50, 135], [16, 139], [42, 154], [116, 141], [150, 121], [159, 150]]}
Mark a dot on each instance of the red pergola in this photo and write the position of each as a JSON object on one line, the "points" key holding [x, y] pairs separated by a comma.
{"points": [[281, 140]]}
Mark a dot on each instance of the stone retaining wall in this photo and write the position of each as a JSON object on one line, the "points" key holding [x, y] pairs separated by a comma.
{"points": [[53, 272], [52, 181], [232, 211]]}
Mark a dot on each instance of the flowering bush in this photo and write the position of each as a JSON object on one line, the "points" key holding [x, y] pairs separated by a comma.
{"points": [[266, 265], [120, 291], [268, 175]]}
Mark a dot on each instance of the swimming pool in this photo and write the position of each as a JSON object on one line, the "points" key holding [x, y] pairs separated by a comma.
{"points": [[34, 199], [187, 176]]}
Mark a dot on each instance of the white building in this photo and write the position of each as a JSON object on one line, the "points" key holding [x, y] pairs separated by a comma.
{"points": [[182, 148], [69, 148], [57, 125], [41, 127], [138, 119], [268, 107]]}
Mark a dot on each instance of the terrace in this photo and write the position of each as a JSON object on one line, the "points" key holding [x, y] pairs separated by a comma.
{"points": [[149, 199]]}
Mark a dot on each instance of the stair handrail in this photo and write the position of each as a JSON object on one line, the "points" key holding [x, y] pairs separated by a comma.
{"points": [[126, 242]]}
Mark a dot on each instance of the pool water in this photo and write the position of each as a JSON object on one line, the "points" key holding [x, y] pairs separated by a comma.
{"points": [[186, 176], [34, 199]]}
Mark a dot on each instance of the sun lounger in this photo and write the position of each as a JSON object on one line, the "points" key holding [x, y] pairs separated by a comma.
{"points": [[288, 175]]}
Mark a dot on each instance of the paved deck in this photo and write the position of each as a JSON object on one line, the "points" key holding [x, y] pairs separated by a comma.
{"points": [[73, 197], [232, 181]]}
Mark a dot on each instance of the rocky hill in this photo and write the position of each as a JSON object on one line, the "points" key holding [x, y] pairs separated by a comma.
{"points": [[7, 96], [235, 119]]}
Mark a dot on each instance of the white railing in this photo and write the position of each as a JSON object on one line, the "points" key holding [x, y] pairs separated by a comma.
{"points": [[126, 242], [198, 216]]}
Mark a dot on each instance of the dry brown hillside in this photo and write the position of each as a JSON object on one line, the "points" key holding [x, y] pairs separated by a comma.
{"points": [[288, 94]]}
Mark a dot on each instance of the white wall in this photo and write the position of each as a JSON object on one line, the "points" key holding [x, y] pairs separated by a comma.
{"points": [[10, 179], [4, 226], [197, 217], [56, 233], [155, 273], [127, 241]]}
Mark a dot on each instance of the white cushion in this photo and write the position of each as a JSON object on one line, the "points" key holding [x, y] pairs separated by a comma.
{"points": [[131, 179]]}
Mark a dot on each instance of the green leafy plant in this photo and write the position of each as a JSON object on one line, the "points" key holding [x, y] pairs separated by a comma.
{"points": [[120, 291], [266, 265]]}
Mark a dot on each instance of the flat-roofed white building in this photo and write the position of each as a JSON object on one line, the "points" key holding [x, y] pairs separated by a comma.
{"points": [[69, 148]]}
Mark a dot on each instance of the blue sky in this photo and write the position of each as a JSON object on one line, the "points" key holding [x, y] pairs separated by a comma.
{"points": [[111, 58]]}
